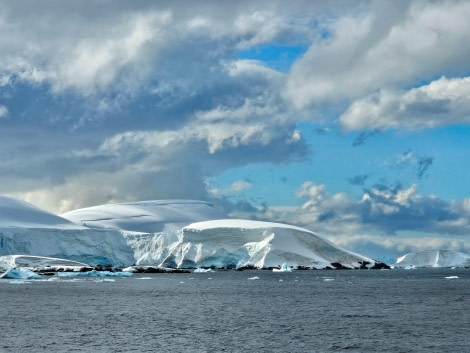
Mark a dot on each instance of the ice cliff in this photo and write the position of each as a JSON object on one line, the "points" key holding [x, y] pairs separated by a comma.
{"points": [[177, 234], [433, 258]]}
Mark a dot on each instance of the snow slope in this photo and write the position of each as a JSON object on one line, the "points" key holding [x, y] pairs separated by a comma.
{"points": [[241, 243], [19, 214], [177, 234], [433, 258], [145, 216], [236, 243]]}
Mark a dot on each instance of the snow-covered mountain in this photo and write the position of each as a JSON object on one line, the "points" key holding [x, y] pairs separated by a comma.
{"points": [[145, 216], [178, 234], [433, 258]]}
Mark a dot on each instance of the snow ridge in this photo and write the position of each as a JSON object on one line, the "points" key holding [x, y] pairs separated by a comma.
{"points": [[144, 216]]}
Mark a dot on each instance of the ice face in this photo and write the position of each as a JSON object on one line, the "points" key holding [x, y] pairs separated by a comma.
{"points": [[175, 234], [433, 258], [20, 273]]}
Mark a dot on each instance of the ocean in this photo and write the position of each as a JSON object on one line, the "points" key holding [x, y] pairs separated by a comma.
{"points": [[228, 311]]}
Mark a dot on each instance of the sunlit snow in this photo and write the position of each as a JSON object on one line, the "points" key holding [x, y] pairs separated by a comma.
{"points": [[164, 234]]}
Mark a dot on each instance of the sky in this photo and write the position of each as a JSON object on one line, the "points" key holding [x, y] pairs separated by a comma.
{"points": [[348, 118]]}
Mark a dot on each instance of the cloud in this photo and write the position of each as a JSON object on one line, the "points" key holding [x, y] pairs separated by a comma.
{"points": [[151, 107], [116, 101], [358, 179], [420, 163], [390, 248], [382, 210], [423, 165], [234, 188], [381, 45], [3, 111], [363, 137], [441, 102]]}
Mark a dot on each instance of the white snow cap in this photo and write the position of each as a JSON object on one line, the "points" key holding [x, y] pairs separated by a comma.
{"points": [[145, 216], [15, 213]]}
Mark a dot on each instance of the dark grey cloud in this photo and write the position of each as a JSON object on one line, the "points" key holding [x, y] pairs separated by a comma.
{"points": [[358, 179], [88, 111], [114, 101], [409, 159], [364, 136], [424, 163]]}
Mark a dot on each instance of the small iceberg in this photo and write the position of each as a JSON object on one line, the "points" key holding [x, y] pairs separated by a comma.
{"points": [[20, 273], [41, 263], [19, 281], [203, 270], [452, 277], [95, 273], [253, 278], [284, 268]]}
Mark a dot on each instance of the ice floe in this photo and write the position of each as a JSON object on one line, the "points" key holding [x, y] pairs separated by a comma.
{"points": [[20, 273]]}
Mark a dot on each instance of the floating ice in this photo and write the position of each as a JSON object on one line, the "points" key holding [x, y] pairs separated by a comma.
{"points": [[203, 270], [19, 281], [95, 273], [20, 273], [452, 277], [284, 268], [253, 278], [41, 263]]}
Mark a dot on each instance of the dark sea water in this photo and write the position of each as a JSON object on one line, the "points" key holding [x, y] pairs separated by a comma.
{"points": [[304, 311]]}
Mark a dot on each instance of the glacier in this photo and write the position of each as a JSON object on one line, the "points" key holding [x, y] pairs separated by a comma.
{"points": [[432, 258], [41, 263], [178, 234]]}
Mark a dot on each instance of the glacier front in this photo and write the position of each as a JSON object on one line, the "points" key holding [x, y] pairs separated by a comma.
{"points": [[433, 258], [175, 234]]}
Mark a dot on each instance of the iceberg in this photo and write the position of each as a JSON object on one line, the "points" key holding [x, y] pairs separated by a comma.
{"points": [[19, 281], [433, 258], [203, 270], [41, 263], [95, 273], [20, 273], [284, 268], [160, 235]]}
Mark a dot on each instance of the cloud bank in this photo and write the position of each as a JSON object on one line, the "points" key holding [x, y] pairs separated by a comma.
{"points": [[116, 101]]}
